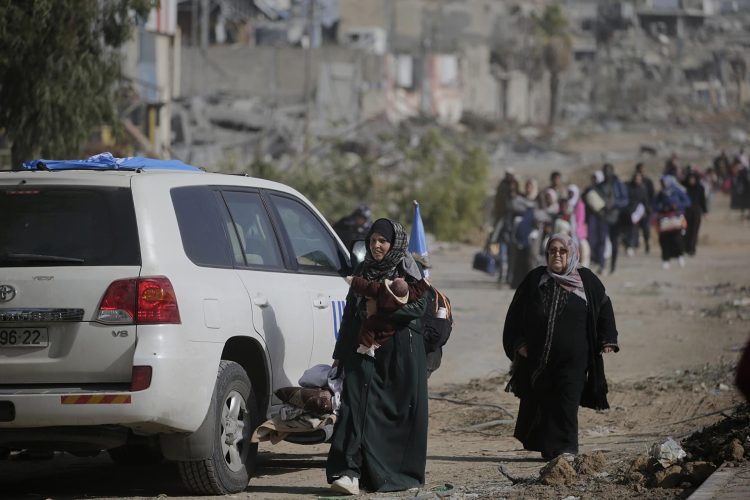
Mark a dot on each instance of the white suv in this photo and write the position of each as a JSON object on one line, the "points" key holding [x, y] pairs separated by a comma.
{"points": [[154, 312]]}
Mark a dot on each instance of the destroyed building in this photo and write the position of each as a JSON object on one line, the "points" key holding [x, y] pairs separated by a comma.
{"points": [[270, 78]]}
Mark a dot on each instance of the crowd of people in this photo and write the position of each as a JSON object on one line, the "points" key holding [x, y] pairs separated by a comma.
{"points": [[611, 213], [559, 324]]}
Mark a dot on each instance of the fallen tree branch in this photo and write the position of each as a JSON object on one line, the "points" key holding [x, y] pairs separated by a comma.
{"points": [[696, 417], [469, 403], [491, 423], [514, 479]]}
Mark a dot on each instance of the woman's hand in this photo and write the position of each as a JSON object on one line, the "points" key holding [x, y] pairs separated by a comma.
{"points": [[523, 351], [607, 350]]}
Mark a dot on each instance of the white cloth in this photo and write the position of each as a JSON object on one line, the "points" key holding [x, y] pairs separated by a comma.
{"points": [[638, 213], [367, 351], [336, 385]]}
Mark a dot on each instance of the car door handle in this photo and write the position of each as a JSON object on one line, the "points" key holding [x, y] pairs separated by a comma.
{"points": [[260, 300], [320, 303]]}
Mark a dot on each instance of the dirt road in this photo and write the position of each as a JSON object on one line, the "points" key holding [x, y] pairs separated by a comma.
{"points": [[680, 333]]}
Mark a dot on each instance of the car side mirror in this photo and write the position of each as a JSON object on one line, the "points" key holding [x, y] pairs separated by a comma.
{"points": [[359, 250]]}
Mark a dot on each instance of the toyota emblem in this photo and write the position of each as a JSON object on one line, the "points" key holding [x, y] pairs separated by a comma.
{"points": [[7, 293]]}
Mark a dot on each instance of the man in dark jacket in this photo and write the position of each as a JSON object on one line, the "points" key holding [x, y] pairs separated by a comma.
{"points": [[616, 198], [354, 226]]}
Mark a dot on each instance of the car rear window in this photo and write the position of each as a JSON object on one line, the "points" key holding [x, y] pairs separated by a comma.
{"points": [[63, 226]]}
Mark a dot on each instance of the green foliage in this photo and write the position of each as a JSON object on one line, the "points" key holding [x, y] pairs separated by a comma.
{"points": [[440, 169], [555, 49], [553, 22], [58, 67], [553, 33]]}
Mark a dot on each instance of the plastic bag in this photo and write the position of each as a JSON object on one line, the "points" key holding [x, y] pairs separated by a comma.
{"points": [[668, 452]]}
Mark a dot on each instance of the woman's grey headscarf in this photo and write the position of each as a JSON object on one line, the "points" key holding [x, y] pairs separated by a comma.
{"points": [[396, 262], [570, 279], [554, 298]]}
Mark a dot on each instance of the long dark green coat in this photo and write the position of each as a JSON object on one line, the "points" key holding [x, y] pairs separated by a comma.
{"points": [[381, 431]]}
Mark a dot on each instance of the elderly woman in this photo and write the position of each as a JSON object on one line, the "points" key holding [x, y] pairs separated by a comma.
{"points": [[380, 437], [558, 325]]}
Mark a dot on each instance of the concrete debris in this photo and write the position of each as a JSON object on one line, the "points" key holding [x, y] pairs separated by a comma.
{"points": [[590, 463], [558, 472], [671, 477], [697, 472], [667, 452], [735, 451]]}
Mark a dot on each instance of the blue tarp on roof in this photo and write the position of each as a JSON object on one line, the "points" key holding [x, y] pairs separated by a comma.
{"points": [[105, 161]]}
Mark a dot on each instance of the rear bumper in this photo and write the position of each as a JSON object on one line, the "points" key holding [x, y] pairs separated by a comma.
{"points": [[176, 401]]}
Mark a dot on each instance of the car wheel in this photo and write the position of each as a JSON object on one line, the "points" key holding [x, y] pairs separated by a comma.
{"points": [[233, 456]]}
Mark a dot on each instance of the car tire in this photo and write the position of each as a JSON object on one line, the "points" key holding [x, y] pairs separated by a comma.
{"points": [[232, 459]]}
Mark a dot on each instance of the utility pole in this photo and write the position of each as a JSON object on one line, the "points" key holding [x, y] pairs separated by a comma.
{"points": [[194, 22], [308, 77], [427, 46], [204, 23]]}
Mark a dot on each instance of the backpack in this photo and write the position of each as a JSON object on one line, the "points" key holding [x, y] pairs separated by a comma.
{"points": [[435, 329]]}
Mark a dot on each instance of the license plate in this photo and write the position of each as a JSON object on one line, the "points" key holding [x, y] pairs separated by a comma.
{"points": [[23, 337]]}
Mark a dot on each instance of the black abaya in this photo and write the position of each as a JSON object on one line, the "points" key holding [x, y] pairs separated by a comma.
{"points": [[548, 417], [566, 367]]}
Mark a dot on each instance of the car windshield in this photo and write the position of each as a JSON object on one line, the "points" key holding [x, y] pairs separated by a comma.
{"points": [[63, 226]]}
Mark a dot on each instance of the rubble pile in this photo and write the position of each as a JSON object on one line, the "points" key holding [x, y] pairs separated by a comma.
{"points": [[558, 472], [689, 464], [726, 441], [646, 472], [710, 378], [734, 305]]}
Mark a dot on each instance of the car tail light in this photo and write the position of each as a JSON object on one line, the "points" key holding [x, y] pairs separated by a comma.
{"points": [[118, 304], [141, 378], [156, 302], [140, 301]]}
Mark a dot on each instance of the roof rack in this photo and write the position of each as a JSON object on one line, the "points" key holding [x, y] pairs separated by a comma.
{"points": [[105, 161]]}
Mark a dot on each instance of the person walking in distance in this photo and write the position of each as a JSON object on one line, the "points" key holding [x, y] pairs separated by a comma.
{"points": [[616, 201], [670, 204], [696, 192], [598, 230]]}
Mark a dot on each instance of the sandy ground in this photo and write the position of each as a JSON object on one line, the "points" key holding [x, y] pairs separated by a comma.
{"points": [[680, 334]]}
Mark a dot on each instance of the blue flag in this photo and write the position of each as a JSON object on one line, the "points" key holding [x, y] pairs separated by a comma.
{"points": [[417, 240]]}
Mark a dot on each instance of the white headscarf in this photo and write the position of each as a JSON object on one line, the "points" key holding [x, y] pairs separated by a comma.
{"points": [[570, 279], [573, 199]]}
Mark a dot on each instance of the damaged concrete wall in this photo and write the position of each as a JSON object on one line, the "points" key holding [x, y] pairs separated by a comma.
{"points": [[481, 90]]}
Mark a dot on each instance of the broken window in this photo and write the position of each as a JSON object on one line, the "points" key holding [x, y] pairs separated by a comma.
{"points": [[404, 71], [447, 70]]}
